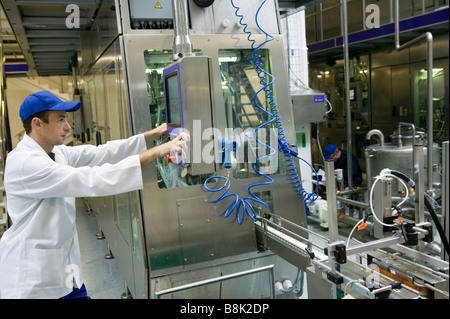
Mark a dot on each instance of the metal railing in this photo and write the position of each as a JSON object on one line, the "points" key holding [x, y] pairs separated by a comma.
{"points": [[322, 12], [269, 268]]}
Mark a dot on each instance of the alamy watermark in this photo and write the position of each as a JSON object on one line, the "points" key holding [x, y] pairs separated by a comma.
{"points": [[373, 18], [74, 275], [73, 19], [210, 144]]}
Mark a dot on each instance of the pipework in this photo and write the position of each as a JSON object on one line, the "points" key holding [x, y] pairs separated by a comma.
{"points": [[429, 61], [182, 45]]}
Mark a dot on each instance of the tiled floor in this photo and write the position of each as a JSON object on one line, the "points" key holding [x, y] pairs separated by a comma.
{"points": [[102, 276]]}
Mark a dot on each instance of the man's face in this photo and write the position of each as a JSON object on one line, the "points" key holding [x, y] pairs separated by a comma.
{"points": [[336, 155], [57, 128]]}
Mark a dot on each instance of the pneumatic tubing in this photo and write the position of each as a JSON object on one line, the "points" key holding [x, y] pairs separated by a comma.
{"points": [[371, 197], [284, 146], [430, 208], [237, 204], [242, 206], [294, 177], [264, 88], [262, 74]]}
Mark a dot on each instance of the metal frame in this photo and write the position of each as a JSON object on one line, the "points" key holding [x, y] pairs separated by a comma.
{"points": [[156, 200], [445, 191]]}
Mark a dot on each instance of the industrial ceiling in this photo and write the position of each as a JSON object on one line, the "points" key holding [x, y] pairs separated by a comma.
{"points": [[41, 34], [35, 32]]}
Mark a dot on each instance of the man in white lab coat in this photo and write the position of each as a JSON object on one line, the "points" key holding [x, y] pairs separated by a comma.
{"points": [[40, 254]]}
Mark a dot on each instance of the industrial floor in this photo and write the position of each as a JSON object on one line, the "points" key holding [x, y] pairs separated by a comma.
{"points": [[102, 276]]}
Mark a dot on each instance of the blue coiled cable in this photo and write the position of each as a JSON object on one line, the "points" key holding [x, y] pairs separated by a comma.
{"points": [[262, 74], [275, 118], [236, 204], [242, 205], [290, 167]]}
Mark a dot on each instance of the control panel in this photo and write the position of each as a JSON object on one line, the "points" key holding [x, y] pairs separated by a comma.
{"points": [[187, 88]]}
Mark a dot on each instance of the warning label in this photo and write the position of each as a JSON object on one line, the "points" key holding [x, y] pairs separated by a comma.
{"points": [[158, 6]]}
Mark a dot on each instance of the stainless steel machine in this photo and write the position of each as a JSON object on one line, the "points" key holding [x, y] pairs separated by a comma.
{"points": [[231, 221], [171, 233]]}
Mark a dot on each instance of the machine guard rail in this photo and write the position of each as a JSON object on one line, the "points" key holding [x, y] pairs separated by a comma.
{"points": [[269, 268]]}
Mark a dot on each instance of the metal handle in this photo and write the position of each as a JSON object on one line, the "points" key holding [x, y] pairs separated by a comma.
{"points": [[269, 268], [413, 129]]}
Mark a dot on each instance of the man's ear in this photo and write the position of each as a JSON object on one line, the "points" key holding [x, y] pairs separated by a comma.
{"points": [[36, 122]]}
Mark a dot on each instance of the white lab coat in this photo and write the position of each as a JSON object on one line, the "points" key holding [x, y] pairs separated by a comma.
{"points": [[40, 254]]}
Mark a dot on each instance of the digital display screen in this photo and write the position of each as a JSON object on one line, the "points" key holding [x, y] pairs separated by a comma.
{"points": [[173, 101]]}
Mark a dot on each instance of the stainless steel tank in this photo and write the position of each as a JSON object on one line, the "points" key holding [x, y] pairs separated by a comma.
{"points": [[398, 155]]}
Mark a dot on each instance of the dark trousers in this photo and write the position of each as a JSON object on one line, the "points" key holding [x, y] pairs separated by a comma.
{"points": [[77, 293]]}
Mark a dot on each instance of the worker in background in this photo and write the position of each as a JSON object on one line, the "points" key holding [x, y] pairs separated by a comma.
{"points": [[40, 253], [340, 161]]}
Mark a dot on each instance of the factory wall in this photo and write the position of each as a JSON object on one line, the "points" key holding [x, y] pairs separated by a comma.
{"points": [[19, 87], [390, 90]]}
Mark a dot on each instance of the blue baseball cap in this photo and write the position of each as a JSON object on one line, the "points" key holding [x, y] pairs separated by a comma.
{"points": [[44, 100], [329, 150]]}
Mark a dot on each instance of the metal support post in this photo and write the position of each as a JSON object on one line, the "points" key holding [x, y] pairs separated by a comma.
{"points": [[419, 182], [445, 189], [382, 203], [331, 201], [347, 93], [332, 221]]}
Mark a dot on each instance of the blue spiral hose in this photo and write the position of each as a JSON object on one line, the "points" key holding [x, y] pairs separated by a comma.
{"points": [[263, 75], [242, 205], [236, 204]]}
